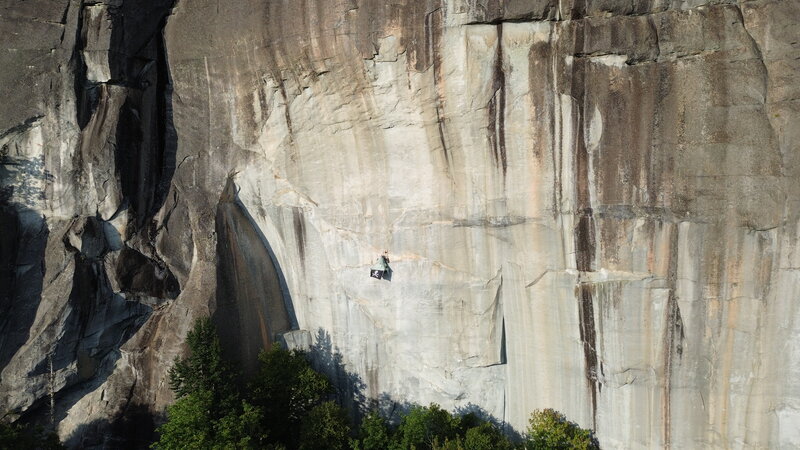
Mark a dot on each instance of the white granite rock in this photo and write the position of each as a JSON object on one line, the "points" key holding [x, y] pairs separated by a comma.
{"points": [[588, 206]]}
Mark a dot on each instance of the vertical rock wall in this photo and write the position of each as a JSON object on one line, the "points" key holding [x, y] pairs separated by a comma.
{"points": [[589, 205]]}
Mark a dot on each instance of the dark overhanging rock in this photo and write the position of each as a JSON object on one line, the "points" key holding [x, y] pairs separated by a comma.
{"points": [[253, 307], [146, 137]]}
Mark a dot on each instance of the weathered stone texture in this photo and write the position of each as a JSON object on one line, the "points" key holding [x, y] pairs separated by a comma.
{"points": [[590, 205]]}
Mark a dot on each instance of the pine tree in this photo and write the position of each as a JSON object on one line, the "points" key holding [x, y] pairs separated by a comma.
{"points": [[287, 389], [209, 412]]}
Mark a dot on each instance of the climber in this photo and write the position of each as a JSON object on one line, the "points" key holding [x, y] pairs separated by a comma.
{"points": [[381, 267]]}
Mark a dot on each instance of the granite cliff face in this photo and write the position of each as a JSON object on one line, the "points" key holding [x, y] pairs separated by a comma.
{"points": [[590, 205]]}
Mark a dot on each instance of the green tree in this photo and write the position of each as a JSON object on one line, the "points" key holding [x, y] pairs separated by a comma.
{"points": [[449, 444], [243, 430], [205, 370], [209, 413], [189, 424], [325, 427], [486, 436], [18, 437], [287, 389], [373, 434], [550, 430], [475, 434], [426, 427]]}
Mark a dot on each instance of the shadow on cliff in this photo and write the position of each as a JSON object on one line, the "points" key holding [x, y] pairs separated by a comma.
{"points": [[22, 270], [349, 391], [133, 429], [348, 386]]}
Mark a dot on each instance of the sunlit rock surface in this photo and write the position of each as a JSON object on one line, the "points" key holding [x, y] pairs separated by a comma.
{"points": [[588, 205]]}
